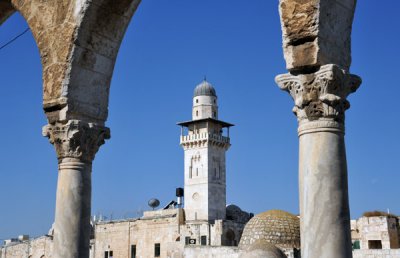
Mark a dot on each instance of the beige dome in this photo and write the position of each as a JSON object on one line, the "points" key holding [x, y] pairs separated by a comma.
{"points": [[279, 228]]}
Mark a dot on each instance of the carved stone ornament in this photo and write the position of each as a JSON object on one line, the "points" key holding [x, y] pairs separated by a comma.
{"points": [[76, 139], [321, 97]]}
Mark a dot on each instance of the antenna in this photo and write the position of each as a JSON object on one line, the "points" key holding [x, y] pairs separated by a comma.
{"points": [[153, 203]]}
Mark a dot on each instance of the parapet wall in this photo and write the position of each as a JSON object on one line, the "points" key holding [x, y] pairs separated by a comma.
{"points": [[392, 253], [211, 252]]}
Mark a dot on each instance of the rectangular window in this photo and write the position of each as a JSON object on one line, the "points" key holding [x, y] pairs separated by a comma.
{"points": [[187, 240], [203, 240], [157, 250], [190, 172], [374, 244], [133, 251], [108, 254]]}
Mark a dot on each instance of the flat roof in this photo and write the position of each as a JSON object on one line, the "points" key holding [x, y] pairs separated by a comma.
{"points": [[187, 123]]}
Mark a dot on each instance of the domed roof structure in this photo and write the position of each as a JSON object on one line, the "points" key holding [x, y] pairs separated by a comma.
{"points": [[204, 89], [234, 213], [262, 249], [277, 227]]}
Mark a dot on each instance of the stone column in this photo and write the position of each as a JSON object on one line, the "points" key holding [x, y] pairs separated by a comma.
{"points": [[76, 143], [320, 104]]}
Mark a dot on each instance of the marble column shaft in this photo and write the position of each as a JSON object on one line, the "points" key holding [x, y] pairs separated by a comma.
{"points": [[320, 104], [76, 143]]}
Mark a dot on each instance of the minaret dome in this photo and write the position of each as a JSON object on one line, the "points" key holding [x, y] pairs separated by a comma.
{"points": [[204, 101], [204, 89]]}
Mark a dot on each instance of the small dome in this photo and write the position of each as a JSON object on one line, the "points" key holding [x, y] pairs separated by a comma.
{"points": [[262, 249], [204, 89], [279, 228]]}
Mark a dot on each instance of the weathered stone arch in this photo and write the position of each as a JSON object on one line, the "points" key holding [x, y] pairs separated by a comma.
{"points": [[78, 41]]}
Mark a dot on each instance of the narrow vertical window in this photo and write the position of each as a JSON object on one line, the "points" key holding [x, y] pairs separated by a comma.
{"points": [[190, 172], [106, 254], [187, 240], [197, 100], [203, 240], [197, 171], [157, 250], [197, 113], [133, 251]]}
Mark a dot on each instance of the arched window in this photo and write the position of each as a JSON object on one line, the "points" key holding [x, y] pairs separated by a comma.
{"points": [[230, 238], [197, 113]]}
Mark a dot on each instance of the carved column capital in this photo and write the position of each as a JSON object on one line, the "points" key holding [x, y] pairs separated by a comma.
{"points": [[320, 97], [76, 139]]}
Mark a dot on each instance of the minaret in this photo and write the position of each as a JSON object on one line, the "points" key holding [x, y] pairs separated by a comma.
{"points": [[205, 169]]}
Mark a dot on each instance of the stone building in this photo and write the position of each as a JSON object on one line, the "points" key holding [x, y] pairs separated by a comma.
{"points": [[205, 220], [376, 235], [41, 247]]}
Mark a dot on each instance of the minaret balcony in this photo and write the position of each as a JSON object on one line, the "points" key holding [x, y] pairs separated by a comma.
{"points": [[204, 138]]}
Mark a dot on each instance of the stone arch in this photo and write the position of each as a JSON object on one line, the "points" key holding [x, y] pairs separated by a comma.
{"points": [[230, 238], [78, 41]]}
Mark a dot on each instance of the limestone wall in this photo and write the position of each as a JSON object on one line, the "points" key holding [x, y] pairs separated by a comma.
{"points": [[158, 227], [211, 252], [379, 228], [225, 233], [391, 253], [41, 247]]}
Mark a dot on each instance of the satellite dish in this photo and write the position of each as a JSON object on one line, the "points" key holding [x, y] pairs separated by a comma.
{"points": [[153, 203]]}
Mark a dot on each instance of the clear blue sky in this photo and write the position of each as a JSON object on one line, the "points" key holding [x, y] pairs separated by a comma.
{"points": [[168, 48]]}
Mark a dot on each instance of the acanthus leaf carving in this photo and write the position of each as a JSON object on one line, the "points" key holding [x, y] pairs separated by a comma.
{"points": [[76, 139], [321, 95]]}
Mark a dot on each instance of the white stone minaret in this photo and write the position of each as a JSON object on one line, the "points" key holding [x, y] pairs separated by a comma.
{"points": [[205, 167]]}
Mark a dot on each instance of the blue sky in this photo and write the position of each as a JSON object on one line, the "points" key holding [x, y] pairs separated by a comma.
{"points": [[168, 48]]}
